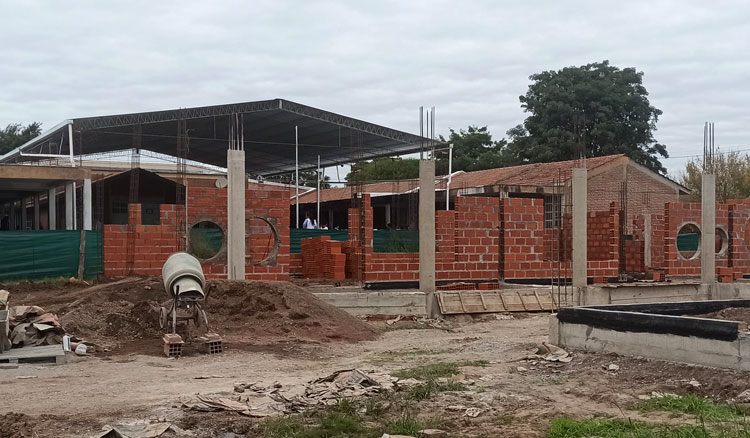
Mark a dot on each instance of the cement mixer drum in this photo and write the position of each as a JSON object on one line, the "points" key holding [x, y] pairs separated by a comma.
{"points": [[183, 277]]}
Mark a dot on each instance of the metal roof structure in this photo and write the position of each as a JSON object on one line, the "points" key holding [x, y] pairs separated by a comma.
{"points": [[268, 128]]}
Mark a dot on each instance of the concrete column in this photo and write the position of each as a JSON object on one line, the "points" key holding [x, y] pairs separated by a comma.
{"points": [[427, 236], [52, 208], [69, 206], [647, 239], [12, 217], [24, 211], [388, 220], [580, 214], [708, 229], [87, 204], [36, 212], [236, 214]]}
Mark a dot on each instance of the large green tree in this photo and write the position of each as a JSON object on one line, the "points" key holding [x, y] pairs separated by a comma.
{"points": [[15, 135], [383, 169], [474, 149], [732, 172], [591, 110]]}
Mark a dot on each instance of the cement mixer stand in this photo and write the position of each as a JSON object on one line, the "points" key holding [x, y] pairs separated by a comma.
{"points": [[185, 283]]}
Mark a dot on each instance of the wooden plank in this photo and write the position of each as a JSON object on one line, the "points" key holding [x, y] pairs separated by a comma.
{"points": [[513, 300], [45, 353]]}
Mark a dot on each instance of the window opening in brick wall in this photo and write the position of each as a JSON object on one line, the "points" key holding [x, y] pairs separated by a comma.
{"points": [[688, 241], [206, 240], [552, 211], [722, 242]]}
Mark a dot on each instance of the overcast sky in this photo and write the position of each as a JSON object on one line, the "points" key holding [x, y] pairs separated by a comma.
{"points": [[374, 60]]}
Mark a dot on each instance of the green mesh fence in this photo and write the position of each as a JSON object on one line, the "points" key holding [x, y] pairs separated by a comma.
{"points": [[297, 234], [205, 242], [35, 255], [687, 242], [395, 241]]}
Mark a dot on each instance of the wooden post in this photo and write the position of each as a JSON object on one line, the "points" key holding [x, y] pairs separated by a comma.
{"points": [[82, 255]]}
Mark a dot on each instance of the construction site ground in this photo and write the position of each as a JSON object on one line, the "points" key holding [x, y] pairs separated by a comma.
{"points": [[515, 396]]}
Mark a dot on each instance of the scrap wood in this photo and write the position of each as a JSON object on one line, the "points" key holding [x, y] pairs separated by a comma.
{"points": [[550, 353]]}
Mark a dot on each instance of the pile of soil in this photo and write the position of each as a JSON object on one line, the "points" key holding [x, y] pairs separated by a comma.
{"points": [[739, 314], [125, 312], [261, 309]]}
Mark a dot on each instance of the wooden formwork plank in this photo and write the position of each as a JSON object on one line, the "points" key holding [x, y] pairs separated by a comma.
{"points": [[45, 354], [514, 300]]}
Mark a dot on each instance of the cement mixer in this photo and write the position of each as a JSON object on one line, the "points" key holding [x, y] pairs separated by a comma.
{"points": [[186, 286]]}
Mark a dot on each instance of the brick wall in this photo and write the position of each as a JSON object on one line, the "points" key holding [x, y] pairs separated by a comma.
{"points": [[675, 215], [265, 205]]}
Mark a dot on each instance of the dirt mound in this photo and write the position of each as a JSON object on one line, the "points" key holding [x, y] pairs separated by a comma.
{"points": [[739, 314], [126, 312], [261, 309]]}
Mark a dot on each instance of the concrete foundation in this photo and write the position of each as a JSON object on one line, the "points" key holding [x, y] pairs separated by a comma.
{"points": [[359, 302], [580, 214], [236, 214], [634, 293], [427, 236]]}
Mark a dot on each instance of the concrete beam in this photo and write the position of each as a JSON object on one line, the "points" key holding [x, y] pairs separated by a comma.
{"points": [[70, 206], [427, 236], [87, 213], [708, 229], [11, 171], [580, 214], [52, 208], [236, 214]]}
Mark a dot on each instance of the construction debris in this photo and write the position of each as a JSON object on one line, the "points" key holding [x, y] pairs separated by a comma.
{"points": [[143, 429], [551, 353], [256, 400], [31, 326]]}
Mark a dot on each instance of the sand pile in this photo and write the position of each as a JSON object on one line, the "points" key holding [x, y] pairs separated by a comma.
{"points": [[126, 313]]}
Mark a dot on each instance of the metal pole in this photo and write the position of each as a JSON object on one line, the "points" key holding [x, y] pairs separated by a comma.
{"points": [[318, 191], [70, 144], [450, 175], [296, 172]]}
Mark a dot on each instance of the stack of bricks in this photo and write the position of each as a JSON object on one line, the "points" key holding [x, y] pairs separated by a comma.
{"points": [[726, 275], [322, 258], [456, 286]]}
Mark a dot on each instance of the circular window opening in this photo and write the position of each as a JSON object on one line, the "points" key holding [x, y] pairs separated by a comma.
{"points": [[722, 242], [206, 240], [688, 241]]}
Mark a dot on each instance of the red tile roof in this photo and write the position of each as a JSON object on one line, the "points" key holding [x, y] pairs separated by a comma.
{"points": [[537, 174]]}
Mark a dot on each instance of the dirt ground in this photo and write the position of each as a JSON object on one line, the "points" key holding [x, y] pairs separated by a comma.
{"points": [[739, 314], [518, 397]]}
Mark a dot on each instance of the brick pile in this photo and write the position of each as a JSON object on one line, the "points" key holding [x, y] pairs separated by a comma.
{"points": [[323, 258]]}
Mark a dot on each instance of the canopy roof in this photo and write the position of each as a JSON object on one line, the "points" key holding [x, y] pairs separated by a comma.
{"points": [[269, 136]]}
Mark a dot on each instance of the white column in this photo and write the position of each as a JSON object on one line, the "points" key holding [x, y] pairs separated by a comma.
{"points": [[427, 236], [388, 214], [36, 212], [69, 205], [236, 214], [52, 208], [580, 213], [708, 229], [87, 204], [24, 211]]}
